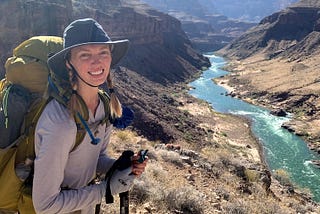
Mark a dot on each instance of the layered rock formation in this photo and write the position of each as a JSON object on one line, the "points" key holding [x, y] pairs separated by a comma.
{"points": [[286, 32], [23, 19], [211, 25], [207, 30], [160, 53], [277, 64]]}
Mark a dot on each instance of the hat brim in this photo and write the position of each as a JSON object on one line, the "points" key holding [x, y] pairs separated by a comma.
{"points": [[57, 63]]}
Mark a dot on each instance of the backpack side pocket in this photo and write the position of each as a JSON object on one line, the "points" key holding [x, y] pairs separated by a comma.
{"points": [[11, 184]]}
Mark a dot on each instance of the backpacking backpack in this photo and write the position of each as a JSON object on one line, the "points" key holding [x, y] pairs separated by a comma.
{"points": [[22, 102], [25, 81]]}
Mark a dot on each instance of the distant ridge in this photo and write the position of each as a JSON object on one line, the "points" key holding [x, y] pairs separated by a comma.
{"points": [[292, 32], [307, 3], [206, 28], [276, 64]]}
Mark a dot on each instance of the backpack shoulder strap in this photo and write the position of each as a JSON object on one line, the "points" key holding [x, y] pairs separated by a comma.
{"points": [[105, 98], [81, 118], [63, 95]]}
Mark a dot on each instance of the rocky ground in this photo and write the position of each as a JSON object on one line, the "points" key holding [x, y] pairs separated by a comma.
{"points": [[282, 85], [222, 171]]}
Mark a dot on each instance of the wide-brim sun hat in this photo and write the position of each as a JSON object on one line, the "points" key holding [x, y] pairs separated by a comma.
{"points": [[83, 32]]}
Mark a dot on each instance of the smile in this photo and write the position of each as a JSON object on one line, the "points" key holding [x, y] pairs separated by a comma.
{"points": [[94, 73]]}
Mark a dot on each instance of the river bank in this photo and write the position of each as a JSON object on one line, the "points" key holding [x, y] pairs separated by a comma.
{"points": [[230, 89], [280, 85], [214, 167], [283, 150], [234, 130], [225, 175]]}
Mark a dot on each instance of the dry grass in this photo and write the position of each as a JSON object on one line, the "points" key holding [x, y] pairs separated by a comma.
{"points": [[125, 136], [299, 78], [252, 175], [217, 178], [283, 177], [211, 185]]}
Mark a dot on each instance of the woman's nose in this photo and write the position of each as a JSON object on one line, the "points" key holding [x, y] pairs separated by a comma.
{"points": [[96, 58]]}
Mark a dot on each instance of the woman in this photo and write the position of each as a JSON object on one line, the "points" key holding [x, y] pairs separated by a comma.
{"points": [[62, 174]]}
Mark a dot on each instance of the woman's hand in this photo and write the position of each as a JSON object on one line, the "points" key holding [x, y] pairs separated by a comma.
{"points": [[139, 163]]}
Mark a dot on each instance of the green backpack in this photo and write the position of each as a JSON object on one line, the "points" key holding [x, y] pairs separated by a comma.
{"points": [[22, 102]]}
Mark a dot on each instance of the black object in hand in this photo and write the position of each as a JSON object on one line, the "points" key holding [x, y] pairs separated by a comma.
{"points": [[143, 155]]}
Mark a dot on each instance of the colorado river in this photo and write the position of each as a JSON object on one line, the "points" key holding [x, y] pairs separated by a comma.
{"points": [[282, 149]]}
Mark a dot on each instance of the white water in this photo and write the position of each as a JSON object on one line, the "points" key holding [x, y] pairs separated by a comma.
{"points": [[282, 149]]}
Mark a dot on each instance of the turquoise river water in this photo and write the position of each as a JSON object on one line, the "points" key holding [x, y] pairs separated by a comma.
{"points": [[282, 149]]}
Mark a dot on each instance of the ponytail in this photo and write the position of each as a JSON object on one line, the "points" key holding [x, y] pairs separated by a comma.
{"points": [[115, 105], [74, 104]]}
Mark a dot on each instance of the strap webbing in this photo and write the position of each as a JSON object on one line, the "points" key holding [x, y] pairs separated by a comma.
{"points": [[5, 104]]}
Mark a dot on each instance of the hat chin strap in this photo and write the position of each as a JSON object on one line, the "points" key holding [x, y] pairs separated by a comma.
{"points": [[76, 72]]}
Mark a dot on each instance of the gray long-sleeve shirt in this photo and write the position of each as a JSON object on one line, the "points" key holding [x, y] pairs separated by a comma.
{"points": [[56, 167]]}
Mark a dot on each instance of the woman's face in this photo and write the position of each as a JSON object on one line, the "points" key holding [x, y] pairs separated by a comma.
{"points": [[92, 63]]}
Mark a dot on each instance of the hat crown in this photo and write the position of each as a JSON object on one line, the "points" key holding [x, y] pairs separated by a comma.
{"points": [[84, 31]]}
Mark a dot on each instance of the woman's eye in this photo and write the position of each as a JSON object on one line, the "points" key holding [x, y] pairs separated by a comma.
{"points": [[84, 56], [105, 53]]}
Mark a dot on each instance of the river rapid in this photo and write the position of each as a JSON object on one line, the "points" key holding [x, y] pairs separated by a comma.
{"points": [[282, 149]]}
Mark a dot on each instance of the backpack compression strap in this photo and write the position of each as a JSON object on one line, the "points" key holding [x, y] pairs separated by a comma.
{"points": [[26, 148], [5, 104]]}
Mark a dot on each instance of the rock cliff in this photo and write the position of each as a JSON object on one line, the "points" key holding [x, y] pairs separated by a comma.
{"points": [[276, 65], [23, 19], [284, 33], [211, 25], [160, 53], [207, 30]]}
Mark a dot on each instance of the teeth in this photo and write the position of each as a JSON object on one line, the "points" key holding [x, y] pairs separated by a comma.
{"points": [[96, 72]]}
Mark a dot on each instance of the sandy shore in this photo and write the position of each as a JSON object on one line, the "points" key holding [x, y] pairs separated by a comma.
{"points": [[236, 128]]}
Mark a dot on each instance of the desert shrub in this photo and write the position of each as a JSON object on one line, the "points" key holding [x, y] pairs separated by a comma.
{"points": [[155, 170], [149, 186], [283, 177], [140, 192], [265, 206], [222, 193], [303, 209], [236, 207], [252, 175], [171, 157], [223, 134], [125, 135], [185, 200], [210, 153], [226, 161]]}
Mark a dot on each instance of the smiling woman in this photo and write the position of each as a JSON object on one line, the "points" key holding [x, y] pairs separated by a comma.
{"points": [[83, 65], [92, 63], [89, 67]]}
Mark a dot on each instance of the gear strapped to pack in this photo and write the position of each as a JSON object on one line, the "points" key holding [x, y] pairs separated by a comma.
{"points": [[22, 102]]}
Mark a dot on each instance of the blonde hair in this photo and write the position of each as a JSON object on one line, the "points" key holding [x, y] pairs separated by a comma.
{"points": [[115, 105], [74, 104]]}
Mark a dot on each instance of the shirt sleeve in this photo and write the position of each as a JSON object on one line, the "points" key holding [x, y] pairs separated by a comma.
{"points": [[54, 139]]}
